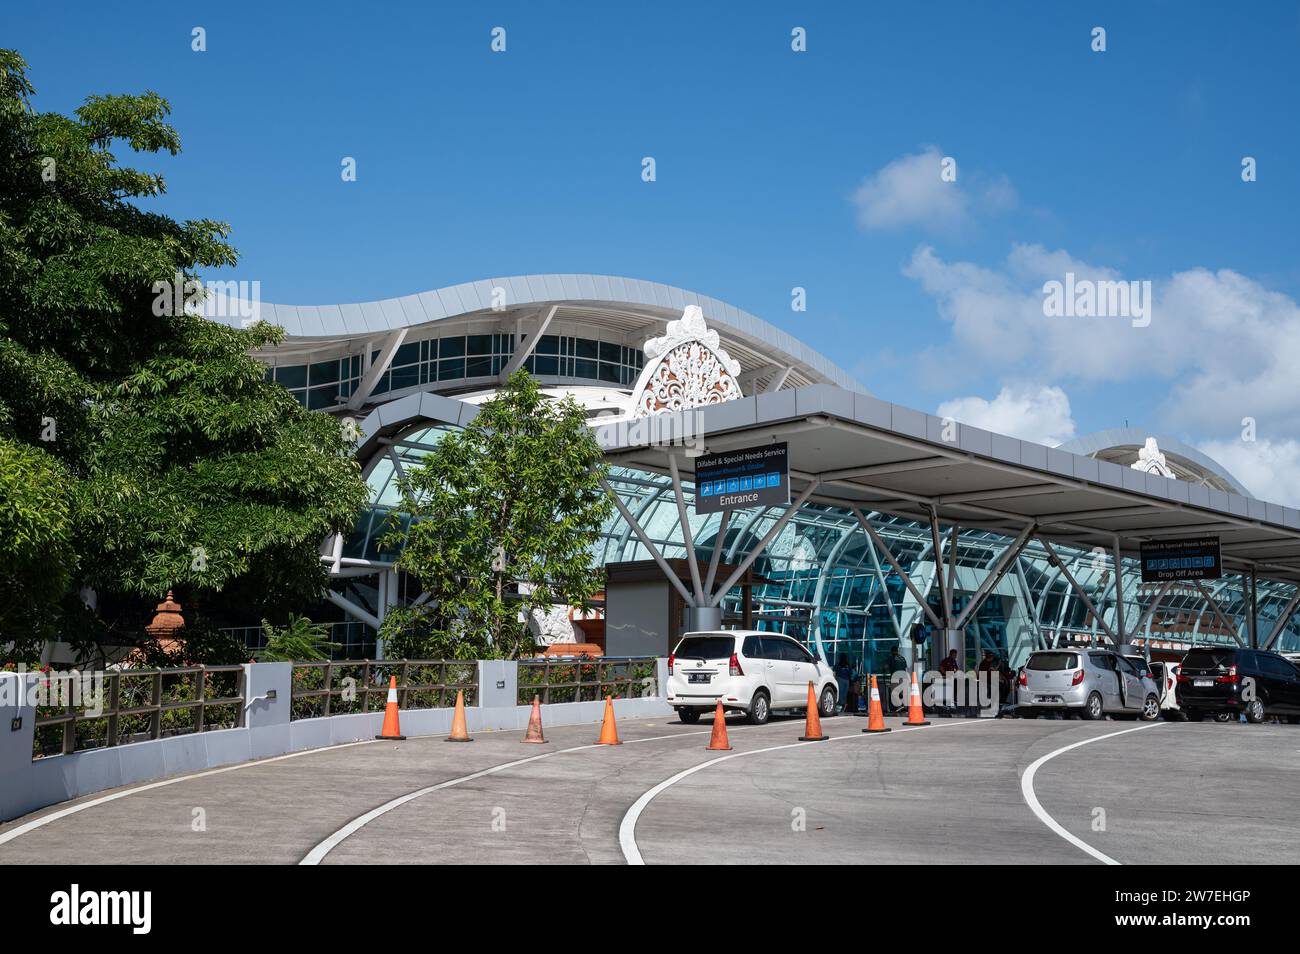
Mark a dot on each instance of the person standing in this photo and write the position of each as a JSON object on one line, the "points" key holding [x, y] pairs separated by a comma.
{"points": [[844, 680]]}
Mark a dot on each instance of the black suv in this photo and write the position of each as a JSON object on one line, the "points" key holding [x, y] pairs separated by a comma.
{"points": [[1226, 681]]}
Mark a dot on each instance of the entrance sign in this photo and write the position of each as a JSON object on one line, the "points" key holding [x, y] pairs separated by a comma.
{"points": [[1195, 558], [754, 477]]}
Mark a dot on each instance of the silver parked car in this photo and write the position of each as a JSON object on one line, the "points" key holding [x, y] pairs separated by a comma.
{"points": [[1091, 682]]}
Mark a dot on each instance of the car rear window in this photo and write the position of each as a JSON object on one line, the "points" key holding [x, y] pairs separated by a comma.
{"points": [[706, 647], [1209, 658], [1053, 662]]}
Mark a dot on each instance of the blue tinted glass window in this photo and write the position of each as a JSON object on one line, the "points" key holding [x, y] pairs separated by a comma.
{"points": [[292, 376]]}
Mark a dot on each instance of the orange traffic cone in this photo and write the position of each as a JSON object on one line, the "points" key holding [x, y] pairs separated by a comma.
{"points": [[608, 728], [392, 728], [875, 715], [459, 731], [813, 728], [915, 714], [534, 734], [718, 740]]}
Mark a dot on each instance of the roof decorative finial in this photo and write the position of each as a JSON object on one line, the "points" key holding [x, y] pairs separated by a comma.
{"points": [[1152, 461], [691, 369]]}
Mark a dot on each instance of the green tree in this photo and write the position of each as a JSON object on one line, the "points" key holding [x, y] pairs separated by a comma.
{"points": [[298, 640], [505, 516], [144, 446]]}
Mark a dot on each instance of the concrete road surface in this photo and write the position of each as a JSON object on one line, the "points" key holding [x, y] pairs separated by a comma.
{"points": [[957, 791]]}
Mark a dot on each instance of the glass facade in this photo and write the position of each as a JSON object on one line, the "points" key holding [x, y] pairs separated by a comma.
{"points": [[455, 358], [322, 384], [823, 581]]}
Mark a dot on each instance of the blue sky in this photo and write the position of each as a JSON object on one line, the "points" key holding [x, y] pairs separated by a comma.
{"points": [[775, 169]]}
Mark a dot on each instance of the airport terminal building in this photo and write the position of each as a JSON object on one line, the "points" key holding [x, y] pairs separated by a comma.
{"points": [[892, 525]]}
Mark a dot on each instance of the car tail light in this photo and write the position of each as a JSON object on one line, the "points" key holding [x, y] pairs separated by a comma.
{"points": [[1078, 678], [1171, 683], [735, 666], [1184, 679], [1024, 678], [671, 657], [1231, 678]]}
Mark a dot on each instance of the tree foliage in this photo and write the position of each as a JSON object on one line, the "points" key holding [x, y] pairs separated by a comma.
{"points": [[142, 450], [298, 640], [505, 514]]}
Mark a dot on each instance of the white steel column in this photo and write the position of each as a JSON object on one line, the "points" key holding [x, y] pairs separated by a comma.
{"points": [[522, 351], [945, 598], [687, 539], [352, 609], [719, 542], [907, 580], [366, 385], [746, 563], [1282, 620], [648, 544], [1223, 619], [1087, 601], [994, 577], [1119, 590]]}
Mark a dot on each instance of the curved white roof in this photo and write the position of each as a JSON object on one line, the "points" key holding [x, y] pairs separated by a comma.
{"points": [[1183, 457], [629, 303]]}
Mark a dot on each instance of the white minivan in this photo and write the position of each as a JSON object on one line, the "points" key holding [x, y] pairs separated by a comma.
{"points": [[747, 671]]}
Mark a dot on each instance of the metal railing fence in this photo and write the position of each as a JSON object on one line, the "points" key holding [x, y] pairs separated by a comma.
{"points": [[340, 687], [131, 705], [560, 679]]}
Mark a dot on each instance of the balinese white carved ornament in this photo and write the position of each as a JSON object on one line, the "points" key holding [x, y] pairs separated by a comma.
{"points": [[686, 367], [554, 626], [1151, 460]]}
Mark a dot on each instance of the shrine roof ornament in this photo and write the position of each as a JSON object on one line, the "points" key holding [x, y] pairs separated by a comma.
{"points": [[685, 367], [1152, 461]]}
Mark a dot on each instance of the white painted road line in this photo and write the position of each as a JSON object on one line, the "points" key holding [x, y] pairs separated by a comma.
{"points": [[627, 828], [73, 809], [317, 854], [1027, 790]]}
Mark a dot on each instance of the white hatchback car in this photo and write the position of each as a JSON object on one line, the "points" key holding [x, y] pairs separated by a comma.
{"points": [[746, 671]]}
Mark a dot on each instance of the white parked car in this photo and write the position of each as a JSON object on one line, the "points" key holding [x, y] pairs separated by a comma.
{"points": [[1165, 676], [746, 671]]}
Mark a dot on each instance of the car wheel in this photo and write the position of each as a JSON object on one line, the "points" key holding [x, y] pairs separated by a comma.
{"points": [[1150, 709], [688, 716], [1193, 715], [1092, 709], [760, 708], [1224, 717], [1255, 711], [826, 705]]}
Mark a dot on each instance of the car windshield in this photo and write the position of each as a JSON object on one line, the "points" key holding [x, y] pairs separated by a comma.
{"points": [[1053, 662], [1209, 659], [706, 647]]}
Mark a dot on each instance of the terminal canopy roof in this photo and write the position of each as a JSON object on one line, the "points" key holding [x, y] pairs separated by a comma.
{"points": [[852, 450]]}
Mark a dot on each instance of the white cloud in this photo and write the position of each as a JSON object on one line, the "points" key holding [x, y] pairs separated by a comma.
{"points": [[1227, 346], [910, 192], [1268, 469], [1032, 413]]}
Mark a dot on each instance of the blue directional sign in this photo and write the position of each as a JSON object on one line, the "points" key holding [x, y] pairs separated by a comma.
{"points": [[1196, 558], [755, 477]]}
